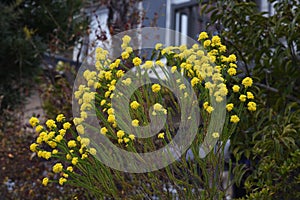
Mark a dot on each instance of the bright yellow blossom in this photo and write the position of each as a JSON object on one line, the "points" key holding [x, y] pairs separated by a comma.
{"points": [[134, 105], [67, 125], [229, 107], [39, 128], [250, 95], [60, 118], [135, 123], [103, 130], [161, 135], [202, 36], [234, 119], [247, 82], [251, 106], [136, 61], [58, 167], [131, 136], [74, 160], [62, 180], [70, 169], [231, 71], [72, 143], [156, 87], [45, 181], [34, 121], [33, 147], [236, 88], [50, 123], [120, 133], [242, 98]]}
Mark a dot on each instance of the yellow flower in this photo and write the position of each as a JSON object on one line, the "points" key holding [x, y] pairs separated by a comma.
{"points": [[34, 121], [161, 135], [159, 63], [136, 61], [182, 86], [158, 107], [231, 71], [70, 169], [80, 129], [120, 141], [195, 81], [216, 135], [236, 88], [134, 105], [247, 82], [173, 69], [39, 128], [120, 73], [148, 64], [67, 125], [77, 121], [52, 144], [231, 58], [216, 40], [45, 181], [93, 151], [85, 141], [111, 118], [229, 107], [68, 157], [103, 130], [209, 109], [62, 180], [125, 55], [250, 95], [60, 118], [202, 36], [33, 147], [126, 39], [50, 123], [126, 140], [234, 119], [72, 143], [242, 98], [57, 168], [108, 75], [127, 81], [120, 134], [131, 136], [233, 65], [251, 106], [156, 87], [58, 138], [206, 43], [54, 151], [110, 111], [205, 105], [222, 48], [74, 160], [135, 123], [158, 46]]}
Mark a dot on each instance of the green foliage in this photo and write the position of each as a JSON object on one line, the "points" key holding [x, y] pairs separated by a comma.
{"points": [[269, 48], [276, 155]]}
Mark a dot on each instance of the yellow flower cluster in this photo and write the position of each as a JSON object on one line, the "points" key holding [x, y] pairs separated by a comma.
{"points": [[53, 135]]}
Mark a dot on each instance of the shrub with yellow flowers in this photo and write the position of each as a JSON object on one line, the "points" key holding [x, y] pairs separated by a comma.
{"points": [[203, 69]]}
